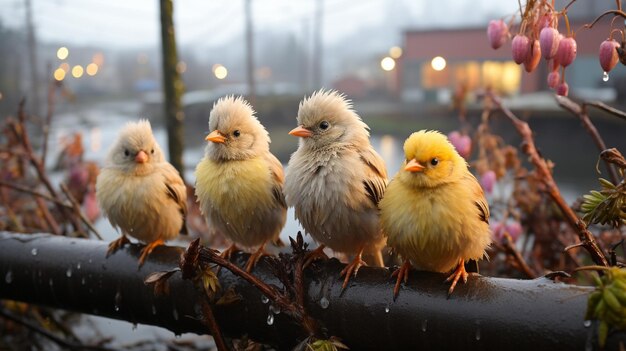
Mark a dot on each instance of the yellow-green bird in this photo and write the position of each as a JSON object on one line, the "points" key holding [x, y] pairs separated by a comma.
{"points": [[434, 212], [140, 192], [335, 180], [239, 183]]}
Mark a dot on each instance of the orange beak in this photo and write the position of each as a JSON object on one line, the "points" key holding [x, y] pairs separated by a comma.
{"points": [[141, 157], [414, 166], [300, 131], [215, 137]]}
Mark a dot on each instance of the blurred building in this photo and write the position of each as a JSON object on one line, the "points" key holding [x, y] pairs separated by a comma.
{"points": [[436, 62]]}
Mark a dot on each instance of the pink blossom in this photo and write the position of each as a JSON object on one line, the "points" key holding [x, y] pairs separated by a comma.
{"points": [[488, 181], [549, 39], [608, 54], [497, 32], [567, 51], [462, 143], [520, 47]]}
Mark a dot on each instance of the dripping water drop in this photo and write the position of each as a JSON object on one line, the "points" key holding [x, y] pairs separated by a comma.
{"points": [[387, 309], [478, 334], [424, 325], [324, 302], [270, 319], [118, 300], [33, 251], [153, 309], [68, 273], [274, 309], [82, 281], [9, 277], [78, 265], [264, 299], [587, 323], [605, 76], [50, 282]]}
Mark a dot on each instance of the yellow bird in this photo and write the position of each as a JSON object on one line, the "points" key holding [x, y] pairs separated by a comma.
{"points": [[335, 180], [140, 192], [239, 183], [434, 211]]}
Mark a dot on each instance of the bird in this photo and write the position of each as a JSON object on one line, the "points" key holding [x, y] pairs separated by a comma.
{"points": [[335, 180], [434, 212], [239, 182], [141, 193]]}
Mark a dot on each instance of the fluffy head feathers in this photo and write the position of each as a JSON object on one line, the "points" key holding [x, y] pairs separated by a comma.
{"points": [[132, 139]]}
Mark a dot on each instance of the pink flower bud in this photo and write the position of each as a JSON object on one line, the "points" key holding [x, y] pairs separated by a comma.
{"points": [[514, 229], [608, 54], [520, 48], [497, 32], [497, 230], [553, 79], [549, 41], [562, 89], [567, 51], [462, 143], [532, 60], [487, 181]]}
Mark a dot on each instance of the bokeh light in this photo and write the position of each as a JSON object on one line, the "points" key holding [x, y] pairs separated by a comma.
{"points": [[65, 66], [92, 69], [77, 71], [438, 63], [181, 67], [395, 52], [220, 71], [63, 53], [59, 74], [387, 63]]}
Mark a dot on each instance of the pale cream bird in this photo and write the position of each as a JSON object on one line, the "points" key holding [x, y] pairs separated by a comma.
{"points": [[434, 211], [335, 180], [140, 192], [239, 183]]}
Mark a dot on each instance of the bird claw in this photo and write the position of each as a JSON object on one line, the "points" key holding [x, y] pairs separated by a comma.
{"points": [[403, 275], [226, 254], [351, 270], [117, 244], [458, 273], [255, 257], [316, 254], [148, 249]]}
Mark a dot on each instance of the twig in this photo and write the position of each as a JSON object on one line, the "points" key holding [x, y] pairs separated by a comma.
{"points": [[510, 249], [48, 120], [606, 108], [60, 341], [76, 207], [543, 171], [214, 328], [34, 193], [618, 12], [47, 216], [581, 113]]}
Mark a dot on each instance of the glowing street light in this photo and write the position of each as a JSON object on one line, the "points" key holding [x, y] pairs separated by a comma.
{"points": [[77, 71], [438, 63], [387, 63], [220, 71], [62, 53]]}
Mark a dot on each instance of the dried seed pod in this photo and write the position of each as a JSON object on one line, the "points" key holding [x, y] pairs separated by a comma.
{"points": [[567, 51], [497, 32], [520, 47], [532, 60], [608, 54], [562, 89], [553, 79], [549, 39]]}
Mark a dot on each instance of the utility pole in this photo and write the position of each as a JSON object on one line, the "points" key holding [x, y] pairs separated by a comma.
{"points": [[250, 52], [172, 87], [32, 57], [304, 59], [317, 50]]}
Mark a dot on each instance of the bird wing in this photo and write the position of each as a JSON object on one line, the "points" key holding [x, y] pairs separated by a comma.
{"points": [[278, 178], [479, 196], [176, 190], [375, 181]]}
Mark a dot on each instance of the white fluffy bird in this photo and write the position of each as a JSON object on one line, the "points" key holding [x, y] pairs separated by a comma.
{"points": [[335, 180], [239, 183], [140, 192]]}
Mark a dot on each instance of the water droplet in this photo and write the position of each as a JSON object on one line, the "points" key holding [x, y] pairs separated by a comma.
{"points": [[82, 281], [9, 277], [477, 334], [177, 335], [118, 300], [175, 314], [587, 323], [605, 76], [33, 251], [89, 260], [153, 309], [324, 302], [78, 265], [274, 309], [264, 299], [424, 325], [270, 319], [68, 273], [50, 282], [387, 309]]}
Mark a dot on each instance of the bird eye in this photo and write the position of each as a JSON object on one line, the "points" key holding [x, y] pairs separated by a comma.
{"points": [[434, 161], [152, 151], [126, 152], [324, 125], [236, 133]]}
